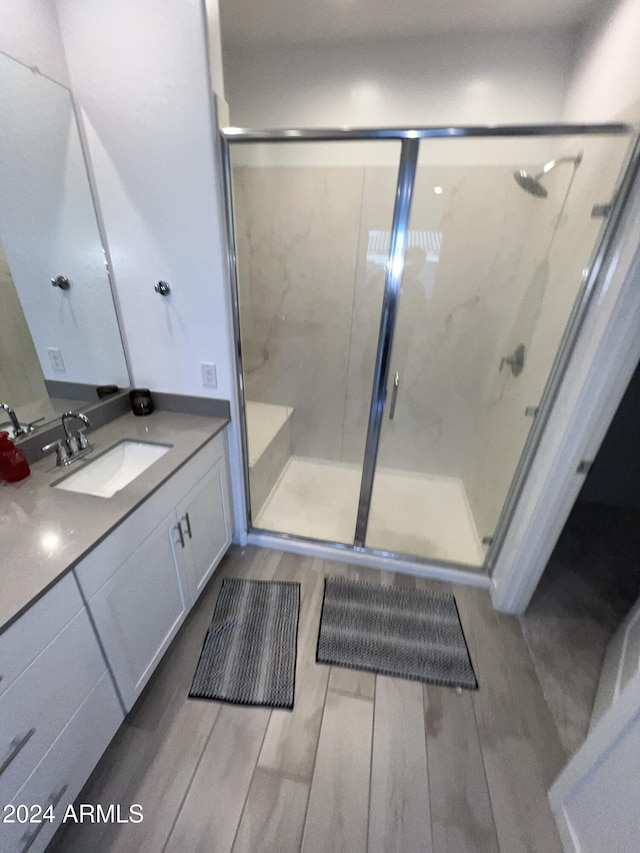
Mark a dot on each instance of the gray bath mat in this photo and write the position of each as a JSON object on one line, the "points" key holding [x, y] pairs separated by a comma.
{"points": [[249, 653], [406, 633]]}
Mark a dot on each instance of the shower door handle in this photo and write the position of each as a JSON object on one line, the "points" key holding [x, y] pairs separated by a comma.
{"points": [[394, 395]]}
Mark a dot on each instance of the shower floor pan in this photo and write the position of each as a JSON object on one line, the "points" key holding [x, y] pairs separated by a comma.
{"points": [[417, 514]]}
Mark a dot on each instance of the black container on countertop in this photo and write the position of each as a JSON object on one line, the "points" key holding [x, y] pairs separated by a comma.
{"points": [[106, 391], [141, 402]]}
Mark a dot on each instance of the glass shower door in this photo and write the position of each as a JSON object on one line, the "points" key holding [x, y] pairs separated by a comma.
{"points": [[312, 223], [495, 254]]}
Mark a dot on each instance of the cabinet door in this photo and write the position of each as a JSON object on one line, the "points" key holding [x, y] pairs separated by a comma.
{"points": [[204, 516], [139, 609]]}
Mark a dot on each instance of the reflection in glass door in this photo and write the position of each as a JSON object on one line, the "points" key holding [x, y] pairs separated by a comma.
{"points": [[499, 235]]}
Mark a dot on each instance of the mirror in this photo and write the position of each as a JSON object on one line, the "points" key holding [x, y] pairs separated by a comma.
{"points": [[57, 344]]}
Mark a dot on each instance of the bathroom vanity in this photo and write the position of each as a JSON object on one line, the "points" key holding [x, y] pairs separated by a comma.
{"points": [[94, 590]]}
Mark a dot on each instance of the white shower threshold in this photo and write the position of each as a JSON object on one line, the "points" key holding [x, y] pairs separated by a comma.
{"points": [[460, 575], [422, 515]]}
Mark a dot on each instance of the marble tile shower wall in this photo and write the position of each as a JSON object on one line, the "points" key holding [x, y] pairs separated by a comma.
{"points": [[296, 233], [311, 292], [449, 313]]}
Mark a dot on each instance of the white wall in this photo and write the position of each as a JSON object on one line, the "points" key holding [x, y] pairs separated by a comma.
{"points": [[143, 91], [29, 32], [605, 84], [449, 78], [215, 50], [140, 74]]}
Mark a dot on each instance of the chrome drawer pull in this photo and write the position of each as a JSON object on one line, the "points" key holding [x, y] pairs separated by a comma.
{"points": [[15, 747], [178, 527], [186, 518], [29, 837]]}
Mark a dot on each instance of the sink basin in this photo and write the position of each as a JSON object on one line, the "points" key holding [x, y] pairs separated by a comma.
{"points": [[113, 470]]}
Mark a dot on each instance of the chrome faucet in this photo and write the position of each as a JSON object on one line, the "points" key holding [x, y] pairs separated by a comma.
{"points": [[18, 428], [14, 418], [78, 441], [71, 447]]}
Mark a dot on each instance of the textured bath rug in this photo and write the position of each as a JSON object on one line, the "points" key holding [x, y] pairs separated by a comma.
{"points": [[406, 633], [249, 653]]}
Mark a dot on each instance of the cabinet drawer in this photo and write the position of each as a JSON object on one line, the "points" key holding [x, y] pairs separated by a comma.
{"points": [[65, 768], [39, 704], [23, 641], [98, 566]]}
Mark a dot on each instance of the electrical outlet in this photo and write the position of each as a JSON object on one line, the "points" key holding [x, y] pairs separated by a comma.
{"points": [[55, 357], [209, 375]]}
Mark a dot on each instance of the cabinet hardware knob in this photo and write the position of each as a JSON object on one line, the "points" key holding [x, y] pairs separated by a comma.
{"points": [[163, 288], [15, 747]]}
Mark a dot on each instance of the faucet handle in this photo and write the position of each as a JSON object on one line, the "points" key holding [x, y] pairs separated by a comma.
{"points": [[62, 453], [29, 427], [83, 441]]}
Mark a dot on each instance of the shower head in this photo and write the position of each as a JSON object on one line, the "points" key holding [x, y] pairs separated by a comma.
{"points": [[531, 183]]}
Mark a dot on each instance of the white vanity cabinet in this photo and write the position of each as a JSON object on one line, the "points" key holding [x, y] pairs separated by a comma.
{"points": [[143, 579], [58, 713]]}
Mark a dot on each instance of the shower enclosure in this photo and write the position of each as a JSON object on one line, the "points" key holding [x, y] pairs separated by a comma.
{"points": [[406, 303]]}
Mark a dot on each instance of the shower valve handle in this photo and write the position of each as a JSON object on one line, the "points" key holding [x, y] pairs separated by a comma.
{"points": [[394, 395]]}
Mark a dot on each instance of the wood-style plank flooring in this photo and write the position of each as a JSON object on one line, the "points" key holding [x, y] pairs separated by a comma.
{"points": [[363, 764]]}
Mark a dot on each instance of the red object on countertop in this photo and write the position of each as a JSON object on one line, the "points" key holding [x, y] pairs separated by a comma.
{"points": [[13, 462]]}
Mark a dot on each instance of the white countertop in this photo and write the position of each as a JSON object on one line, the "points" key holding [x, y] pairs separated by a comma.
{"points": [[44, 531]]}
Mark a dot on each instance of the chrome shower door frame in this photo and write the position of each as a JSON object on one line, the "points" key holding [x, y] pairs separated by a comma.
{"points": [[410, 140], [390, 299]]}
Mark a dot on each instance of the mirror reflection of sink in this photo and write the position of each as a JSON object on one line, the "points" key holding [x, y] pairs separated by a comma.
{"points": [[113, 470]]}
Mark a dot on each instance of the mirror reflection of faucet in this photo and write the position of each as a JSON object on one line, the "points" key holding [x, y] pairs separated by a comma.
{"points": [[515, 361], [71, 447], [18, 429]]}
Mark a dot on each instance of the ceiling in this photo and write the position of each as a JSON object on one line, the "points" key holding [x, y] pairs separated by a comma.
{"points": [[300, 21]]}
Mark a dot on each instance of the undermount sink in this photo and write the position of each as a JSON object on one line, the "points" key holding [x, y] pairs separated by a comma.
{"points": [[113, 470]]}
